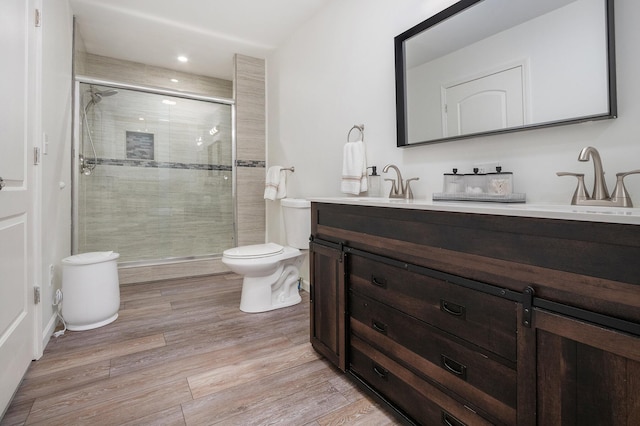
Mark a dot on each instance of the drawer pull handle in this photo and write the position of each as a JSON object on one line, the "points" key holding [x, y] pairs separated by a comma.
{"points": [[454, 366], [452, 308], [380, 282], [379, 327], [449, 420], [381, 372]]}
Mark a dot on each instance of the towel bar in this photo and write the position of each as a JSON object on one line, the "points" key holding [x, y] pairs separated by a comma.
{"points": [[360, 128]]}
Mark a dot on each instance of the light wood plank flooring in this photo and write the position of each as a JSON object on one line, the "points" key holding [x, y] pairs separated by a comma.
{"points": [[182, 353]]}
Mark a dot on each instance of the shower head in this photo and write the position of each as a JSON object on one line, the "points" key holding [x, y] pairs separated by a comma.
{"points": [[97, 95]]}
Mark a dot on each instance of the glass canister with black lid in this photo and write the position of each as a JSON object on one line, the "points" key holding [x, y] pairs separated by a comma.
{"points": [[500, 183], [453, 182], [475, 183]]}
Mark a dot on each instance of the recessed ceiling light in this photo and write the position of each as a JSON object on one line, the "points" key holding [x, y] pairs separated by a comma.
{"points": [[141, 118], [183, 58], [175, 80], [168, 102]]}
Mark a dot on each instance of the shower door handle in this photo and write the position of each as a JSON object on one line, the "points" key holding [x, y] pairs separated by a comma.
{"points": [[1, 183]]}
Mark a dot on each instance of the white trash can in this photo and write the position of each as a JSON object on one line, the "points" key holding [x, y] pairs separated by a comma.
{"points": [[90, 290]]}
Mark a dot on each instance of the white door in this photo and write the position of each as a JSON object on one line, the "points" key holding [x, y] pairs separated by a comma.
{"points": [[16, 250], [487, 103]]}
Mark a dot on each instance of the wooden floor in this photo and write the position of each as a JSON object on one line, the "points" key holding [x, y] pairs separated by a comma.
{"points": [[181, 352]]}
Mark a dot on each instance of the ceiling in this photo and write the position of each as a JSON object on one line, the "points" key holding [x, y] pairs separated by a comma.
{"points": [[208, 32]]}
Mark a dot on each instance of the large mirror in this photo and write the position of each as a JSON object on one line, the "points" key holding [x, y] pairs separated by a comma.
{"points": [[491, 66]]}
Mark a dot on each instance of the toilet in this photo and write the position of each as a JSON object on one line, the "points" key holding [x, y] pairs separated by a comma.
{"points": [[271, 272]]}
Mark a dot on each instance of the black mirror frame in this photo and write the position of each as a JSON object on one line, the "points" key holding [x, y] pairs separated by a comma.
{"points": [[401, 113]]}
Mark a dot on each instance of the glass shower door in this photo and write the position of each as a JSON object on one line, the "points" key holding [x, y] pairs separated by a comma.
{"points": [[156, 175]]}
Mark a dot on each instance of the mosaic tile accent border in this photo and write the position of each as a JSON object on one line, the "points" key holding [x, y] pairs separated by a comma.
{"points": [[251, 163], [160, 164]]}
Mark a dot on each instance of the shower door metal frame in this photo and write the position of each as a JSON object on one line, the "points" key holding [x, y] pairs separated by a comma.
{"points": [[75, 167]]}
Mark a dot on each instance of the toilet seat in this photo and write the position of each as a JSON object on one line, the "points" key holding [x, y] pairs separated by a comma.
{"points": [[254, 251]]}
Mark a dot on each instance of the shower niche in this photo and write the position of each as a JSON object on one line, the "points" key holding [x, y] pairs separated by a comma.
{"points": [[153, 175], [140, 145]]}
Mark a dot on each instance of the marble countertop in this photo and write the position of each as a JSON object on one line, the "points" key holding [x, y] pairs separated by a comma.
{"points": [[550, 211]]}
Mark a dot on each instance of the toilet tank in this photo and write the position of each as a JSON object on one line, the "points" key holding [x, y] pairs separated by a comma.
{"points": [[297, 221]]}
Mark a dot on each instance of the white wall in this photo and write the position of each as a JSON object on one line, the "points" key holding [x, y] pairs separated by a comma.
{"points": [[55, 240], [337, 71]]}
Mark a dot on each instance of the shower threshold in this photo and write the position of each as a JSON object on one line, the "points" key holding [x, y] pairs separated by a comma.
{"points": [[142, 271]]}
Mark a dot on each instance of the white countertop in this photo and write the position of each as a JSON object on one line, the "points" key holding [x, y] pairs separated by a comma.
{"points": [[549, 211]]}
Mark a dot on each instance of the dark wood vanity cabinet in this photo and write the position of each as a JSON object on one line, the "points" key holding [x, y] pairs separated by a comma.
{"points": [[328, 302], [581, 373], [454, 318], [447, 340]]}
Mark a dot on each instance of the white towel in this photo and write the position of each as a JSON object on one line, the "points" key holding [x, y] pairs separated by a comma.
{"points": [[276, 183], [354, 168]]}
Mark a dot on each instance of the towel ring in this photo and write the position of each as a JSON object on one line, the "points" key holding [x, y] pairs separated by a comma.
{"points": [[360, 129]]}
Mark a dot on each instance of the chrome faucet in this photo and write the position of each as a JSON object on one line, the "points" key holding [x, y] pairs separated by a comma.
{"points": [[600, 195], [399, 189]]}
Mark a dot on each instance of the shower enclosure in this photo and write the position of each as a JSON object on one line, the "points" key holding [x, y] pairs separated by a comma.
{"points": [[153, 175]]}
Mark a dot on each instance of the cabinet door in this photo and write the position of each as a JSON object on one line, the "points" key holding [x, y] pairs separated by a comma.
{"points": [[328, 303], [585, 374]]}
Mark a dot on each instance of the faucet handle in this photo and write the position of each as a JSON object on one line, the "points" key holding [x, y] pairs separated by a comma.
{"points": [[393, 191], [620, 194], [408, 193], [623, 174], [580, 193]]}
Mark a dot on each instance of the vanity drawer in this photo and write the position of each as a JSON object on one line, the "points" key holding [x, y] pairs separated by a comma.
{"points": [[419, 399], [485, 320], [457, 366]]}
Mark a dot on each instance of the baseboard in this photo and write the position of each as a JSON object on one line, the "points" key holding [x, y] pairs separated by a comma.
{"points": [[305, 285], [49, 329]]}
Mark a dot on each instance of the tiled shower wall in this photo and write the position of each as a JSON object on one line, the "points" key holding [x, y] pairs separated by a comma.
{"points": [[102, 67], [169, 197], [249, 94], [248, 90]]}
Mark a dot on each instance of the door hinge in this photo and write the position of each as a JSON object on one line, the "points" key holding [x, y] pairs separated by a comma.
{"points": [[36, 295], [36, 156], [527, 306], [38, 18]]}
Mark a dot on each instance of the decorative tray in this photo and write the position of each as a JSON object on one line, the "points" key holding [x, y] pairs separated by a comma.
{"points": [[495, 198]]}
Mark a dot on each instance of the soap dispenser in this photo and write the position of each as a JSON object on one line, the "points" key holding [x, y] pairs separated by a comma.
{"points": [[375, 183]]}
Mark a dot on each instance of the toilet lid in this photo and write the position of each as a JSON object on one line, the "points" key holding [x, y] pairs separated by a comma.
{"points": [[254, 251]]}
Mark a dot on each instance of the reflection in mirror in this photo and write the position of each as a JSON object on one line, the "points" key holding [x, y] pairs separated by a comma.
{"points": [[492, 66]]}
